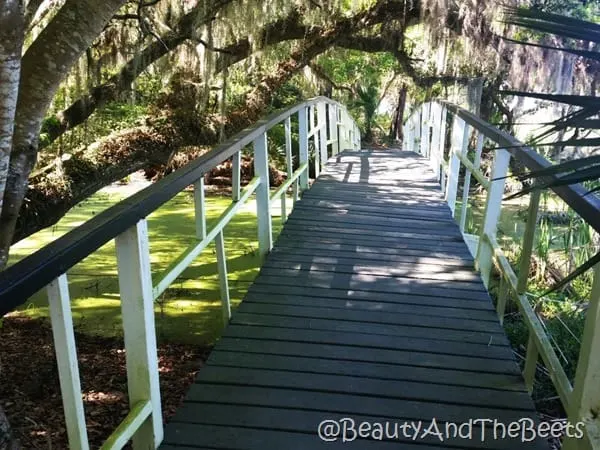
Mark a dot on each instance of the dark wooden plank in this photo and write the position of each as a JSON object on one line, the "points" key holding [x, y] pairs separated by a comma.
{"points": [[339, 264], [231, 437], [374, 341], [369, 253], [348, 237], [336, 403], [427, 238], [397, 307], [501, 382], [340, 384], [452, 323], [404, 229], [302, 421], [393, 286], [348, 294], [399, 331], [332, 278], [350, 353], [445, 227]]}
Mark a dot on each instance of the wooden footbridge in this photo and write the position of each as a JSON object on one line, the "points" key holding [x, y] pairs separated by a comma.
{"points": [[369, 325]]}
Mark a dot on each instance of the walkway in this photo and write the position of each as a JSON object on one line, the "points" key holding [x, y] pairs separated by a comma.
{"points": [[367, 308]]}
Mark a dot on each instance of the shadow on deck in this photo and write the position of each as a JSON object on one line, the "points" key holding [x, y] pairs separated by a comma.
{"points": [[368, 308]]}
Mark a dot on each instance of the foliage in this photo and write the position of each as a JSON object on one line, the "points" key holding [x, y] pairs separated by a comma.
{"points": [[367, 101], [585, 117]]}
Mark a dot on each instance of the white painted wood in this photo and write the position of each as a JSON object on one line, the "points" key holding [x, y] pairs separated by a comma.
{"points": [[200, 208], [322, 115], [442, 145], [410, 136], [263, 203], [236, 175], [289, 161], [333, 133], [303, 150], [181, 263], [491, 216], [425, 144], [137, 308], [434, 153], [417, 130], [467, 183], [586, 390], [223, 283], [126, 429], [66, 358], [460, 140]]}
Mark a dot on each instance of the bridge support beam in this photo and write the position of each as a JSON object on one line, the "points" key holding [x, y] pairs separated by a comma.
{"points": [[263, 203], [493, 207], [303, 150], [585, 399], [460, 142], [137, 308]]}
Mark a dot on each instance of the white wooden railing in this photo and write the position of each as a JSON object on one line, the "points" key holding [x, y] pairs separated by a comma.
{"points": [[325, 122], [425, 133]]}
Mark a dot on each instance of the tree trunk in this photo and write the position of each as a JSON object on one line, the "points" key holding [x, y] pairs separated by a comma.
{"points": [[12, 31], [151, 146], [44, 66], [396, 134]]}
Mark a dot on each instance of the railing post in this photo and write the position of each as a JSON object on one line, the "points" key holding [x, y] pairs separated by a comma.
{"points": [[303, 150], [434, 152], [335, 144], [491, 216], [263, 203], [223, 283], [417, 130], [287, 124], [315, 135], [200, 208], [236, 175], [321, 109], [503, 293], [137, 308], [585, 399], [460, 141], [442, 145], [467, 183], [425, 144], [66, 359]]}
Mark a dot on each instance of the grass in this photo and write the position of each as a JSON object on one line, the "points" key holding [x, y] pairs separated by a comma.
{"points": [[189, 311]]}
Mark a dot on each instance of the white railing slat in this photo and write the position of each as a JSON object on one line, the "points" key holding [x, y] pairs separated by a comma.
{"points": [[223, 283], [137, 308], [263, 203], [200, 208], [59, 304]]}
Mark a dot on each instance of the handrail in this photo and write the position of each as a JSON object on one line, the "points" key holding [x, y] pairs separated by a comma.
{"points": [[23, 279], [425, 133], [587, 206], [126, 223]]}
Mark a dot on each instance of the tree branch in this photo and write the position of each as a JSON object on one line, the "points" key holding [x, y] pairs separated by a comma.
{"points": [[320, 72]]}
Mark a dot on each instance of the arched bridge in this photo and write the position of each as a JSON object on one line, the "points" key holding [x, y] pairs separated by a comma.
{"points": [[369, 325]]}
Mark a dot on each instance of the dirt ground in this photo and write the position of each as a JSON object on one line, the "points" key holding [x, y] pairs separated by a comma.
{"points": [[30, 391]]}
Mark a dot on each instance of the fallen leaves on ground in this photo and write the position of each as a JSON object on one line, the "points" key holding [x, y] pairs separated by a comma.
{"points": [[30, 389]]}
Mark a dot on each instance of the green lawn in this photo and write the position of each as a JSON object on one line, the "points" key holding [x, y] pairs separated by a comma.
{"points": [[189, 311]]}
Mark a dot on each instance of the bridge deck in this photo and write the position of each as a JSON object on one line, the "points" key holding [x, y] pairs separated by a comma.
{"points": [[367, 308]]}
